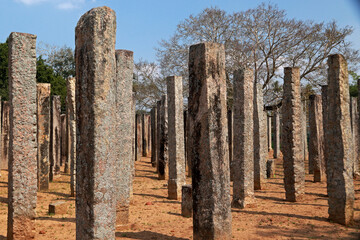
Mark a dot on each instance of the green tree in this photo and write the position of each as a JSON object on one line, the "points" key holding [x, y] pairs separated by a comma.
{"points": [[4, 71]]}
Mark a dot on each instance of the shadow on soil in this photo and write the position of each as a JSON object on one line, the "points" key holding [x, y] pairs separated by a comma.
{"points": [[56, 219], [147, 235], [150, 195], [2, 237]]}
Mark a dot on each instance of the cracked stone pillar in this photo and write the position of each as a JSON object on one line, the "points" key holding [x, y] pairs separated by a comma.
{"points": [[231, 140], [163, 153], [96, 124], [55, 133], [260, 146], [144, 129], [22, 186], [153, 115], [125, 166], [63, 139], [304, 131], [5, 128], [338, 143], [316, 138], [276, 124], [355, 132], [71, 130], [291, 137], [43, 135], [158, 134], [324, 119], [138, 137], [244, 123], [269, 131], [176, 149], [208, 146]]}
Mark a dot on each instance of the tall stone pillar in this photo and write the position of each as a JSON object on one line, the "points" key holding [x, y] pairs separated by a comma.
{"points": [[355, 132], [175, 137], [158, 134], [5, 135], [338, 143], [149, 135], [133, 121], [316, 138], [187, 149], [276, 124], [163, 153], [269, 132], [244, 123], [55, 133], [63, 139], [292, 140], [304, 136], [260, 146], [125, 165], [208, 146], [138, 137], [324, 119], [22, 184], [144, 131], [96, 121], [71, 130], [231, 140], [43, 135], [153, 114]]}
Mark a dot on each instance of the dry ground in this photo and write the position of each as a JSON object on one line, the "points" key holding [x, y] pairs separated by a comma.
{"points": [[271, 218]]}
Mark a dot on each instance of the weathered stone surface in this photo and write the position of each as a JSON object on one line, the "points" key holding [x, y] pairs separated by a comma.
{"points": [[338, 143], [55, 133], [133, 121], [158, 134], [149, 135], [71, 131], [291, 137], [276, 125], [260, 146], [354, 114], [5, 135], [187, 149], [244, 123], [96, 123], [325, 119], [63, 139], [270, 168], [43, 135], [22, 137], [304, 136], [153, 115], [186, 201], [316, 138], [124, 164], [176, 148], [209, 148], [163, 153], [138, 137], [145, 131], [230, 140], [58, 208], [269, 132]]}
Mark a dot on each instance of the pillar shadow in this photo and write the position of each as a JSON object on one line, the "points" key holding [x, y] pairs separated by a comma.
{"points": [[149, 195], [3, 200], [144, 176], [147, 235], [320, 195], [175, 214], [73, 220], [2, 237], [282, 200]]}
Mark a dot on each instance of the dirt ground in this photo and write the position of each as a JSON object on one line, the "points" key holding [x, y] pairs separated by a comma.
{"points": [[153, 216]]}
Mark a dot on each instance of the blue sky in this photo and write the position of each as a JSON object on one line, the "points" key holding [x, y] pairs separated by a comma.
{"points": [[141, 24]]}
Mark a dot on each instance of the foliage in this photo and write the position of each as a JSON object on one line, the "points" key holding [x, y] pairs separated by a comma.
{"points": [[4, 71]]}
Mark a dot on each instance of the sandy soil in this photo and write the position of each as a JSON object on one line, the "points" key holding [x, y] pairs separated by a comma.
{"points": [[153, 216]]}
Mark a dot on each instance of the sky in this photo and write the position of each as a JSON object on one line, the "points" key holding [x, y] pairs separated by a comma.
{"points": [[141, 24]]}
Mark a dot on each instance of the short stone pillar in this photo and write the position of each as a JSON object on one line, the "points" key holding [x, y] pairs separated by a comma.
{"points": [[244, 122], [153, 114], [176, 149], [22, 186], [276, 124], [5, 129], [55, 133], [316, 138], [209, 152], [71, 131], [43, 135], [186, 201], [291, 137], [338, 143], [138, 137], [270, 168], [96, 123], [269, 132], [354, 114], [260, 146], [163, 153], [63, 139]]}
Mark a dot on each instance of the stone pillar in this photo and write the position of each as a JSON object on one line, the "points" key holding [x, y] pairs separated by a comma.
{"points": [[260, 146], [270, 168], [244, 139], [149, 135], [71, 130], [186, 201], [5, 129], [63, 139], [338, 143], [96, 124], [163, 153], [355, 132], [316, 138], [43, 135], [138, 137], [22, 184], [304, 136], [158, 134], [133, 121], [292, 140], [276, 124], [231, 139], [187, 149], [176, 149], [269, 131], [55, 133], [208, 145], [125, 165], [324, 118], [153, 114], [144, 130]]}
